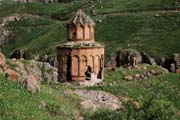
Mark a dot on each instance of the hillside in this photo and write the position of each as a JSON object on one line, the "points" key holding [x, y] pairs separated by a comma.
{"points": [[155, 97], [133, 31], [148, 26]]}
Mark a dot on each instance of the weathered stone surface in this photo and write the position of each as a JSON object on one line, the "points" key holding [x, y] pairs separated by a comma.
{"points": [[129, 77], [30, 72], [12, 75], [85, 56], [176, 60], [98, 99], [112, 63], [33, 84], [148, 59], [173, 67], [2, 60], [178, 71], [129, 57], [172, 63], [50, 73]]}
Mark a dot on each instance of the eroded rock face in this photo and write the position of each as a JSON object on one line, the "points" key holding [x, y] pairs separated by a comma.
{"points": [[50, 73], [129, 57], [33, 84], [148, 59], [172, 63], [2, 60], [98, 99], [112, 63], [176, 60], [30, 73], [12, 75]]}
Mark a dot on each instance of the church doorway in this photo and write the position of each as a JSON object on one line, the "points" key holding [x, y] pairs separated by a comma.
{"points": [[88, 73]]}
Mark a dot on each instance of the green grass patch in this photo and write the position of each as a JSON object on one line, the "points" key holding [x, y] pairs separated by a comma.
{"points": [[17, 103]]}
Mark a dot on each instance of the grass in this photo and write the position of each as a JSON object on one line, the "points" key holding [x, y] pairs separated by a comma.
{"points": [[114, 6], [133, 24], [164, 89], [147, 30], [17, 103], [35, 35]]}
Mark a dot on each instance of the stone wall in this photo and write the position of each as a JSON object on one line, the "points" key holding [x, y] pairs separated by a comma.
{"points": [[80, 59], [80, 33]]}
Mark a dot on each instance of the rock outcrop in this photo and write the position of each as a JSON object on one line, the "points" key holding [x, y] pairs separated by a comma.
{"points": [[11, 74], [39, 70], [28, 72], [33, 84], [97, 100], [129, 57], [172, 63], [112, 63], [148, 59]]}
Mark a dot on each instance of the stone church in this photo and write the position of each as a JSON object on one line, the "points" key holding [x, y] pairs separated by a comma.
{"points": [[80, 58]]}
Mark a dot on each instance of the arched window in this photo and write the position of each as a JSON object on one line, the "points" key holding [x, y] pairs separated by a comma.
{"points": [[72, 32], [91, 62], [91, 32], [86, 32], [75, 66], [83, 65], [80, 32], [96, 64]]}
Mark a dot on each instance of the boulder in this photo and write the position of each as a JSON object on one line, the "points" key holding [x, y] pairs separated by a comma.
{"points": [[2, 60], [12, 75], [178, 71], [129, 57], [98, 100], [148, 59], [172, 68], [128, 78], [112, 63], [172, 63], [176, 60], [33, 84]]}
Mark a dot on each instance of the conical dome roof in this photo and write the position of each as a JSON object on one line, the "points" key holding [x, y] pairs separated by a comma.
{"points": [[81, 18]]}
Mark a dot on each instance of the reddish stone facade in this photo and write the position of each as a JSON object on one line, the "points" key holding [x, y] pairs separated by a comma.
{"points": [[80, 53]]}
